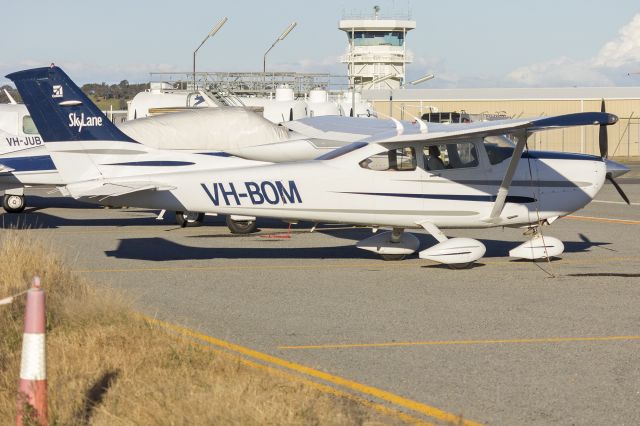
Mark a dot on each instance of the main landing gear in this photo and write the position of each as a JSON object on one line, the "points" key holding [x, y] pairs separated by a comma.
{"points": [[185, 219], [13, 203], [391, 245], [241, 224], [236, 224], [457, 253]]}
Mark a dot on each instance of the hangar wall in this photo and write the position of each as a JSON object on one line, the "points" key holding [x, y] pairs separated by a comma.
{"points": [[624, 137]]}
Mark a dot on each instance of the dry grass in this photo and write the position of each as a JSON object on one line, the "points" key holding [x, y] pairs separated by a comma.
{"points": [[107, 366]]}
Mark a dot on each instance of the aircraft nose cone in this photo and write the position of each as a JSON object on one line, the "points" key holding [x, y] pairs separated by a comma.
{"points": [[615, 169]]}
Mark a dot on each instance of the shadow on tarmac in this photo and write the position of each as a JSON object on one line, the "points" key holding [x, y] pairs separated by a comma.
{"points": [[160, 249]]}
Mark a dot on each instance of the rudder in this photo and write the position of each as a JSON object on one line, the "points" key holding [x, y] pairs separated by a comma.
{"points": [[60, 110]]}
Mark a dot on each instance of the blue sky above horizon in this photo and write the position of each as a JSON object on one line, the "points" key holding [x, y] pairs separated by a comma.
{"points": [[465, 43]]}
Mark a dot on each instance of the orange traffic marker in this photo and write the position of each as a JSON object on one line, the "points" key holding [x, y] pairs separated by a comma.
{"points": [[32, 389]]}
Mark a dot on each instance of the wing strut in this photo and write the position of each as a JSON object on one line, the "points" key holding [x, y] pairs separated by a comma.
{"points": [[501, 198]]}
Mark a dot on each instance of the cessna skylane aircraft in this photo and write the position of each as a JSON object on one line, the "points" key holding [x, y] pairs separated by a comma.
{"points": [[429, 177], [209, 131]]}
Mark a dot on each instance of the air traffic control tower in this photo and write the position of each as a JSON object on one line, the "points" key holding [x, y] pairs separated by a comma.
{"points": [[377, 54]]}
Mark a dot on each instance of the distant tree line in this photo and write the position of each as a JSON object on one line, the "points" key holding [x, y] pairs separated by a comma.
{"points": [[114, 94], [103, 94], [13, 92]]}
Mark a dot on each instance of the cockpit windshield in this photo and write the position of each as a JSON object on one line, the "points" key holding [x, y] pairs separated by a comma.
{"points": [[499, 148], [342, 151]]}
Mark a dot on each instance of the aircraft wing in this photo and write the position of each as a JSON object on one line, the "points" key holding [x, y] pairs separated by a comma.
{"points": [[519, 127], [490, 128], [106, 190]]}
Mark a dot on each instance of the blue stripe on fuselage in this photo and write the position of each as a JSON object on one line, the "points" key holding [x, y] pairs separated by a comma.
{"points": [[153, 163], [554, 155], [29, 164], [217, 154], [484, 198]]}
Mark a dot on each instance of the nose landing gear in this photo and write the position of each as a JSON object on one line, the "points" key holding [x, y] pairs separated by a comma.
{"points": [[538, 246]]}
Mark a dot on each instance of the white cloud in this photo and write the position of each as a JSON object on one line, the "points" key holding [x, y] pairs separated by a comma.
{"points": [[624, 50], [610, 66], [559, 72]]}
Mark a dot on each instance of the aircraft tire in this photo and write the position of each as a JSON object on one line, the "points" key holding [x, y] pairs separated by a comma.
{"points": [[190, 219], [241, 226], [13, 203], [393, 257]]}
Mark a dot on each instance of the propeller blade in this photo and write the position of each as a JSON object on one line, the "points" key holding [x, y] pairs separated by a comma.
{"points": [[584, 238], [603, 137], [620, 191]]}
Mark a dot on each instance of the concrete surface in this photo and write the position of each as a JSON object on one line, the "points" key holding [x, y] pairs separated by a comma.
{"points": [[508, 342]]}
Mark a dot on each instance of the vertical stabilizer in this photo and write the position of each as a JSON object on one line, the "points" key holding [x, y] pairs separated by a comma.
{"points": [[77, 134], [60, 110]]}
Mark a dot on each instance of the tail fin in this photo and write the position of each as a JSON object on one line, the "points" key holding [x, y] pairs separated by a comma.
{"points": [[60, 110]]}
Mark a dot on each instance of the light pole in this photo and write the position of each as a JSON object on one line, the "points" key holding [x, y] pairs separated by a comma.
{"points": [[420, 80], [213, 32], [413, 83], [353, 92], [282, 37]]}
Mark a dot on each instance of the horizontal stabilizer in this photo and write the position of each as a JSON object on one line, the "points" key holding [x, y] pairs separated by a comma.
{"points": [[109, 189], [5, 169]]}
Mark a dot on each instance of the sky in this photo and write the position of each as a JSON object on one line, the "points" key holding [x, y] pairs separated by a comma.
{"points": [[465, 43]]}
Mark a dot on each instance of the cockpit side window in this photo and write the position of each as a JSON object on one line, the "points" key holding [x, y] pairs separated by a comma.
{"points": [[499, 148], [28, 126], [400, 159], [450, 156]]}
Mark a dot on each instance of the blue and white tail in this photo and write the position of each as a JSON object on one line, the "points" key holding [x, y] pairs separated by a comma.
{"points": [[60, 110], [74, 130]]}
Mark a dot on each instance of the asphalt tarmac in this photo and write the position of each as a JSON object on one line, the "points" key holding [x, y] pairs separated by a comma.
{"points": [[507, 342]]}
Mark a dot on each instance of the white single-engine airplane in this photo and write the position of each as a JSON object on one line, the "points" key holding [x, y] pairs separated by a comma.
{"points": [[426, 176]]}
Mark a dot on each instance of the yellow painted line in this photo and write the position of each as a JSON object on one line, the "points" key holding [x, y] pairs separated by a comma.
{"points": [[392, 398], [463, 342], [319, 386], [604, 219]]}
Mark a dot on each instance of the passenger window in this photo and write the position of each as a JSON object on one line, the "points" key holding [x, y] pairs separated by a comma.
{"points": [[450, 156], [401, 159], [28, 126]]}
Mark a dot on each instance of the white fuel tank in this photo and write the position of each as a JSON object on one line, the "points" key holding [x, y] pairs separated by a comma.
{"points": [[455, 250], [284, 93]]}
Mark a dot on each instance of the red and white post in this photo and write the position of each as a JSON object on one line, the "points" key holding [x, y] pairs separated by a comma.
{"points": [[32, 389]]}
